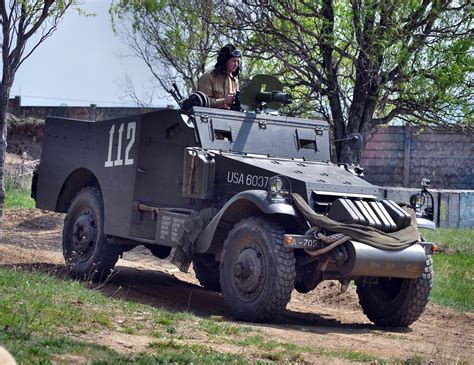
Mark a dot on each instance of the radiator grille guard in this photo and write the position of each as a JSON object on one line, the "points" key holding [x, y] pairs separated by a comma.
{"points": [[385, 215]]}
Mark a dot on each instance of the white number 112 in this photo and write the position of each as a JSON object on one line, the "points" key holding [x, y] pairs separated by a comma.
{"points": [[131, 128]]}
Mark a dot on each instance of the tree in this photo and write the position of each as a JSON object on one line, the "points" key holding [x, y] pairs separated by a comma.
{"points": [[24, 22], [173, 37], [362, 63], [358, 63]]}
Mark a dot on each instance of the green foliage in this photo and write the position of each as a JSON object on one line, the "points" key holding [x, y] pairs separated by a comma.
{"points": [[358, 64], [415, 60]]}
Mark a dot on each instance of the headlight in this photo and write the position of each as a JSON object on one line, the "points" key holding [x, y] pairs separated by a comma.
{"points": [[278, 188], [417, 201], [276, 184]]}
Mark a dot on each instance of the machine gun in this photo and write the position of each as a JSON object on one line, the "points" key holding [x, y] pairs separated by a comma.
{"points": [[260, 94], [176, 95], [263, 92]]}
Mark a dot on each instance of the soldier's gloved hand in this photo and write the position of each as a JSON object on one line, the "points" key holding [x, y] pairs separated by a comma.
{"points": [[229, 100]]}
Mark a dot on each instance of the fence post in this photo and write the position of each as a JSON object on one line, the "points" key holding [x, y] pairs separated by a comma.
{"points": [[406, 156], [93, 112]]}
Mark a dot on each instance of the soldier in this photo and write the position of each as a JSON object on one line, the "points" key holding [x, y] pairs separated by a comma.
{"points": [[222, 82]]}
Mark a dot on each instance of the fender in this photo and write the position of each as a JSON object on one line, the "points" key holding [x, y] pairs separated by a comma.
{"points": [[425, 223], [256, 198]]}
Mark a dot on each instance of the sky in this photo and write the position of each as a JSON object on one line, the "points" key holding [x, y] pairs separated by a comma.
{"points": [[82, 63]]}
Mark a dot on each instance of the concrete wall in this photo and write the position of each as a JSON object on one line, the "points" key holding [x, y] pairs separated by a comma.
{"points": [[91, 112], [401, 156], [453, 208]]}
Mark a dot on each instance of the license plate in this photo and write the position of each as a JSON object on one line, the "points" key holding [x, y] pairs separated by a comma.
{"points": [[300, 241]]}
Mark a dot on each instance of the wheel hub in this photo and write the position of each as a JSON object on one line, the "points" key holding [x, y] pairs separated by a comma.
{"points": [[84, 235], [248, 271]]}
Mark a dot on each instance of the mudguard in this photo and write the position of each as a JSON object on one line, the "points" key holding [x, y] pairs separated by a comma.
{"points": [[258, 198], [425, 223]]}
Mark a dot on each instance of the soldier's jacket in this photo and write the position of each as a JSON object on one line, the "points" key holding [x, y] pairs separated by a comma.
{"points": [[217, 86]]}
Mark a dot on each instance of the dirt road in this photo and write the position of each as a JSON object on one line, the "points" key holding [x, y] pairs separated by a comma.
{"points": [[322, 318]]}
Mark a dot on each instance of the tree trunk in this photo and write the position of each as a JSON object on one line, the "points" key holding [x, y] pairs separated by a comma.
{"points": [[4, 96]]}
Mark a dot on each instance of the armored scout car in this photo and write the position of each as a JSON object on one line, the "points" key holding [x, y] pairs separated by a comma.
{"points": [[251, 199]]}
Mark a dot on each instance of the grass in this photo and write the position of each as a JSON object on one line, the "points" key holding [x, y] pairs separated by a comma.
{"points": [[452, 239], [454, 269], [214, 328], [292, 353], [454, 281], [64, 350], [42, 315], [18, 191], [18, 198]]}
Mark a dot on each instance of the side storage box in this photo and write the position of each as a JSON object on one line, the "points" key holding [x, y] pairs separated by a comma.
{"points": [[199, 173]]}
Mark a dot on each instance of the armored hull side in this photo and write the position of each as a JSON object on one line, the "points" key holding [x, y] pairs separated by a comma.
{"points": [[242, 172], [129, 159]]}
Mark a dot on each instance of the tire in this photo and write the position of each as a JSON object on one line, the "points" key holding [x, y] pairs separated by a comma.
{"points": [[257, 272], [85, 249], [207, 271], [396, 302]]}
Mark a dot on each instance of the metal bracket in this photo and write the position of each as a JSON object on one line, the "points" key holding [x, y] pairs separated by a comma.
{"points": [[319, 131]]}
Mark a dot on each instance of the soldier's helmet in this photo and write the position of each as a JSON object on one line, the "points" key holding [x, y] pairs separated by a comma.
{"points": [[226, 53]]}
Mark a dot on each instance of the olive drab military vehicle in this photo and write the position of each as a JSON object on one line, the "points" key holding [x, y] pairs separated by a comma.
{"points": [[249, 197]]}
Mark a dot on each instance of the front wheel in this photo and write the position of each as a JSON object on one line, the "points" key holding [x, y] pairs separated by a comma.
{"points": [[257, 274], [85, 248], [396, 302]]}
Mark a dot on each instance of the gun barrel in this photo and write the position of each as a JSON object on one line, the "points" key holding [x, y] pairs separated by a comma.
{"points": [[177, 90], [274, 97]]}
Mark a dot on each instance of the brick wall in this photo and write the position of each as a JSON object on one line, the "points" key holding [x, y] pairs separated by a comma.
{"points": [[401, 156]]}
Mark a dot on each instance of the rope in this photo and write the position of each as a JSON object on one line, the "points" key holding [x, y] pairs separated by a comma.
{"points": [[328, 248], [394, 241]]}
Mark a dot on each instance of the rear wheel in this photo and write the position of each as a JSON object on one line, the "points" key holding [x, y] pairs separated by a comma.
{"points": [[85, 248], [207, 271], [257, 272], [395, 301]]}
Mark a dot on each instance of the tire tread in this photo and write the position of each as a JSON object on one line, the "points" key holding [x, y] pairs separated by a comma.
{"points": [[284, 270], [108, 254], [412, 307]]}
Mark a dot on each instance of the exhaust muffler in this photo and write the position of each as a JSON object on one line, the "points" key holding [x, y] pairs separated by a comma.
{"points": [[365, 260]]}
